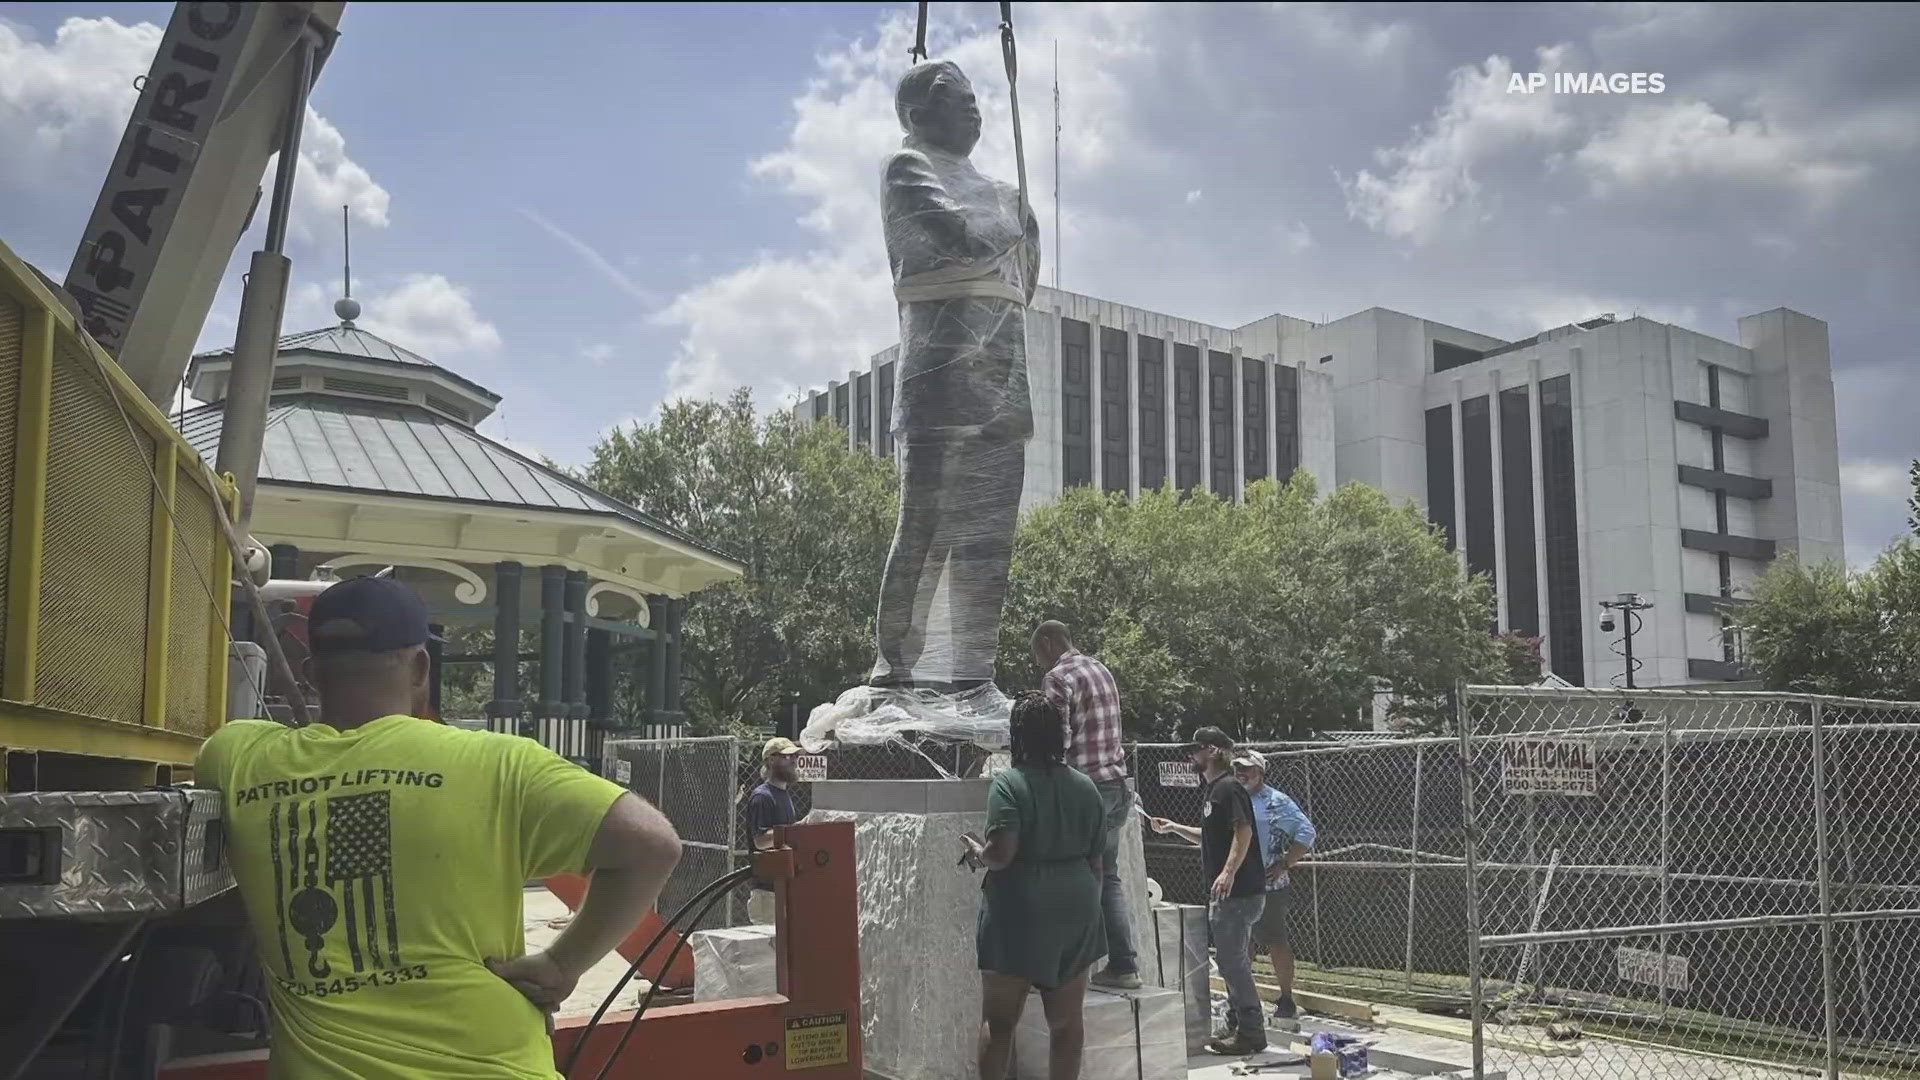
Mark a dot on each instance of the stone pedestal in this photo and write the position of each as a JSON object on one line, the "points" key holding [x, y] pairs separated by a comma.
{"points": [[919, 910], [733, 963], [1130, 1035]]}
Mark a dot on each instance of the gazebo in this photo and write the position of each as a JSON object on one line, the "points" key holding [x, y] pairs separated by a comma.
{"points": [[372, 460]]}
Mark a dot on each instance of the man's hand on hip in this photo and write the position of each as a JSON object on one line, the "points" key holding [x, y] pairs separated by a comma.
{"points": [[539, 978]]}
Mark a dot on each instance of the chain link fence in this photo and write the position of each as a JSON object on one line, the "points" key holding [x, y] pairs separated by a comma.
{"points": [[1683, 874], [692, 781], [1719, 873]]}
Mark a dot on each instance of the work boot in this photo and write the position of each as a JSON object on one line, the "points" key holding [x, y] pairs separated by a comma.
{"points": [[1117, 980], [1285, 1009], [1242, 1044]]}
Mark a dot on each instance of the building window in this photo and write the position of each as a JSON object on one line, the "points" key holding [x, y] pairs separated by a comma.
{"points": [[863, 410], [1286, 421], [1253, 404], [886, 409], [1440, 470], [840, 404], [1476, 457], [1564, 624], [1516, 483], [1220, 423], [1186, 417], [1114, 444], [1447, 356], [1153, 413], [1076, 417], [820, 406], [1327, 359]]}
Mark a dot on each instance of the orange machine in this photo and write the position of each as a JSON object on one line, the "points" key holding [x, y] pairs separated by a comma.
{"points": [[811, 1026]]}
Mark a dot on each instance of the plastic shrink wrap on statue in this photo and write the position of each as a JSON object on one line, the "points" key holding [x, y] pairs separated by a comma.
{"points": [[965, 255]]}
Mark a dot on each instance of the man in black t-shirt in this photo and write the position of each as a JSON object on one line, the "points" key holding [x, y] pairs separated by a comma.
{"points": [[1237, 878], [769, 807]]}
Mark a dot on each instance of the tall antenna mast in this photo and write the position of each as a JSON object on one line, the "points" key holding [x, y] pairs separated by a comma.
{"points": [[1056, 163]]}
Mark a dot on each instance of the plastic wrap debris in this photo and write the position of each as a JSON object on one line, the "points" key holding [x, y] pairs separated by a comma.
{"points": [[919, 976], [965, 260], [872, 715], [1130, 1035], [733, 963], [1176, 957]]}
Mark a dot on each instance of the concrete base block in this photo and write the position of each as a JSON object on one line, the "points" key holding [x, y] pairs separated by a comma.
{"points": [[733, 963], [1131, 1035]]}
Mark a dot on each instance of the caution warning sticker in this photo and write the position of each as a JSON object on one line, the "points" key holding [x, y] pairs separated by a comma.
{"points": [[816, 1041]]}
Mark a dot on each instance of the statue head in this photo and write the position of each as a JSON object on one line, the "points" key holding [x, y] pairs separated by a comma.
{"points": [[936, 105]]}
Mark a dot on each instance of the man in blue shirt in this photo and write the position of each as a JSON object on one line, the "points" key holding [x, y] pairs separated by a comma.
{"points": [[769, 807], [1284, 836]]}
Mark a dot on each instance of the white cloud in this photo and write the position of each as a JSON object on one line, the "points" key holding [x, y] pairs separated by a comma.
{"points": [[1431, 175], [592, 257], [1296, 236], [430, 315], [1679, 140], [597, 353], [64, 105], [1874, 479], [1193, 196]]}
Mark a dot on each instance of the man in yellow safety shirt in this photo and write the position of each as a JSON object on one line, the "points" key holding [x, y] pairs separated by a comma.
{"points": [[382, 860]]}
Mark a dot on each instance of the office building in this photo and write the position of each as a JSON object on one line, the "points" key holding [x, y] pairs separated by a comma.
{"points": [[1604, 457]]}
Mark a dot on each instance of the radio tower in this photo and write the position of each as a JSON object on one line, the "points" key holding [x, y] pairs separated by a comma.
{"points": [[1056, 163]]}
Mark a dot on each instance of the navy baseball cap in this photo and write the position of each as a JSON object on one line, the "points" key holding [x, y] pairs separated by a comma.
{"points": [[367, 614]]}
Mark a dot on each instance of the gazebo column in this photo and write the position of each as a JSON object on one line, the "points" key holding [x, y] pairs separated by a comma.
{"points": [[599, 675], [657, 660], [573, 675], [553, 627], [506, 643], [676, 609], [283, 562], [436, 648]]}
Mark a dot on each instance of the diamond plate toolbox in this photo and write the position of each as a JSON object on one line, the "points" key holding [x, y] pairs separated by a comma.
{"points": [[98, 853]]}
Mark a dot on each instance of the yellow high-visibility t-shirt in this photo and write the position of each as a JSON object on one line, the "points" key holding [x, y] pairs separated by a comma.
{"points": [[381, 868]]}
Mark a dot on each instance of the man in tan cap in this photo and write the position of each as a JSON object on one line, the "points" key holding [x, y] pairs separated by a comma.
{"points": [[768, 807]]}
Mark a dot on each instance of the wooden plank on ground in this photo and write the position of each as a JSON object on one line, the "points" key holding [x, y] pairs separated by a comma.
{"points": [[1340, 1008], [1449, 1028]]}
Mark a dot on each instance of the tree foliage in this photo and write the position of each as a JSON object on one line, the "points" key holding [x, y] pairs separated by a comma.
{"points": [[810, 518], [1913, 500], [1829, 630], [1271, 618]]}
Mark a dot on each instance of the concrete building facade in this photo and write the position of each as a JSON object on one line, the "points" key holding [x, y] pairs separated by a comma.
{"points": [[1604, 457]]}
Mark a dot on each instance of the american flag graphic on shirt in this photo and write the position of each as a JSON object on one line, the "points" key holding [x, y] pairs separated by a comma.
{"points": [[360, 873]]}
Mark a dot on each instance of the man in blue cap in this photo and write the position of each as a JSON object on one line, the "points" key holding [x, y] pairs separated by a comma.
{"points": [[382, 859]]}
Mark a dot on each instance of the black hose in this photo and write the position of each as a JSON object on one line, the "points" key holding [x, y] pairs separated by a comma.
{"points": [[717, 887], [634, 1025]]}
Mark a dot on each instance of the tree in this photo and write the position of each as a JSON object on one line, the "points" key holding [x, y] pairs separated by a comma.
{"points": [[1828, 630], [1913, 500], [810, 518], [1272, 618]]}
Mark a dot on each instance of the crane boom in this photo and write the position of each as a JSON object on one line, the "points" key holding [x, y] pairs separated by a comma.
{"points": [[211, 111]]}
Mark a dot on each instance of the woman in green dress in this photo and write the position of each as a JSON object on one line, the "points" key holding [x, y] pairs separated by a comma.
{"points": [[1040, 925]]}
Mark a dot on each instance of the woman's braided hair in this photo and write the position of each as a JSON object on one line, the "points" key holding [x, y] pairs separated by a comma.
{"points": [[1039, 735]]}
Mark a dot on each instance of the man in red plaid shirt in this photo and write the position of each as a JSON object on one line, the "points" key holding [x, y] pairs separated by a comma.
{"points": [[1086, 695]]}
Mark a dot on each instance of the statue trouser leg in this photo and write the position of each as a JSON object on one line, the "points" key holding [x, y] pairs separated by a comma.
{"points": [[959, 504], [980, 522], [912, 568]]}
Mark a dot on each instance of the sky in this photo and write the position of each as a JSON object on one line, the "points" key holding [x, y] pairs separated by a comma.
{"points": [[595, 208]]}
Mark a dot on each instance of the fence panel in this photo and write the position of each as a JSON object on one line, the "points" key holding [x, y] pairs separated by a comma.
{"points": [[692, 782], [1693, 873]]}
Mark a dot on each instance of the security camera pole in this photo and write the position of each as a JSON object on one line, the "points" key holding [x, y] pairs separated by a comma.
{"points": [[1629, 604]]}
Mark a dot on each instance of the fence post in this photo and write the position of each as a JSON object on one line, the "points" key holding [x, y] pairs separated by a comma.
{"points": [[1319, 948], [1413, 855], [1469, 842], [1826, 885], [1666, 840]]}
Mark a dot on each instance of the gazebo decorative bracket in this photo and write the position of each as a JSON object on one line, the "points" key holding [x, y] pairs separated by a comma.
{"points": [[471, 590], [643, 618]]}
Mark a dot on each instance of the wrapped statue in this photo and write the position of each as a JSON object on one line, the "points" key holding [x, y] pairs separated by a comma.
{"points": [[965, 253]]}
